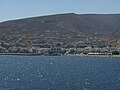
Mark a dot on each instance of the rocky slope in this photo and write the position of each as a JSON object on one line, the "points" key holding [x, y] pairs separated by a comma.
{"points": [[62, 27]]}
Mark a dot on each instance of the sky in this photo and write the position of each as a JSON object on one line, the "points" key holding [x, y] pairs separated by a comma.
{"points": [[17, 9]]}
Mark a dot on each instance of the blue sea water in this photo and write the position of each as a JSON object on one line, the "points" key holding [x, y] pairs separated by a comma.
{"points": [[59, 73]]}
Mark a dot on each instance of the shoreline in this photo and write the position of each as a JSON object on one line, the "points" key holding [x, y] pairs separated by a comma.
{"points": [[81, 55]]}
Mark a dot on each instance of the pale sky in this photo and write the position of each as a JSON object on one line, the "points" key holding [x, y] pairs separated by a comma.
{"points": [[16, 9]]}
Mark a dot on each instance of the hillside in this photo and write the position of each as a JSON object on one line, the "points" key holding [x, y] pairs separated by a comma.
{"points": [[68, 27]]}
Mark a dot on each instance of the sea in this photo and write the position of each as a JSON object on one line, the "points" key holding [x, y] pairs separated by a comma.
{"points": [[59, 73]]}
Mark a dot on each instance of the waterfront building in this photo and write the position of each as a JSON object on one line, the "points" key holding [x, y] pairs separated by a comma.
{"points": [[55, 52]]}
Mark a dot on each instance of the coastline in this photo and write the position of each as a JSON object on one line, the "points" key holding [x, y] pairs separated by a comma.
{"points": [[21, 54], [81, 55]]}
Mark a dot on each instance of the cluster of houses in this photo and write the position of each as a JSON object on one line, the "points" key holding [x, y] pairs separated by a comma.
{"points": [[58, 51]]}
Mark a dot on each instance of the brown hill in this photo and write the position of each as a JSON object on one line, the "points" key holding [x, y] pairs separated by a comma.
{"points": [[61, 27]]}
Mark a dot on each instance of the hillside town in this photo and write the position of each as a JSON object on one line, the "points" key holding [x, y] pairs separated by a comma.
{"points": [[57, 49], [62, 35]]}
